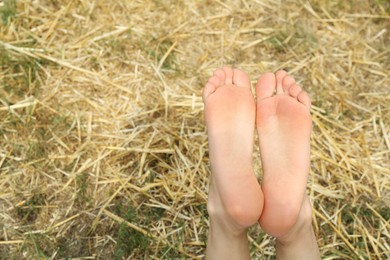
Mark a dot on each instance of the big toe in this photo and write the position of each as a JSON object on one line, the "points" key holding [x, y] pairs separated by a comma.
{"points": [[241, 79], [265, 86]]}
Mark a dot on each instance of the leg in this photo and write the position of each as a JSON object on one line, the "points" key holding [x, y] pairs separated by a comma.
{"points": [[283, 124], [235, 199]]}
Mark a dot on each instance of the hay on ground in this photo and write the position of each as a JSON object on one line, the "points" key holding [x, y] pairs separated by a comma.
{"points": [[103, 151]]}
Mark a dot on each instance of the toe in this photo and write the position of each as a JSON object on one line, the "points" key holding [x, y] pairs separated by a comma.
{"points": [[228, 75], [265, 86], [279, 81], [241, 79], [215, 81], [208, 90], [220, 73], [294, 90], [287, 82], [304, 98]]}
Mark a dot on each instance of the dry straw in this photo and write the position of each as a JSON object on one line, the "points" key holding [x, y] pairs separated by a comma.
{"points": [[103, 150]]}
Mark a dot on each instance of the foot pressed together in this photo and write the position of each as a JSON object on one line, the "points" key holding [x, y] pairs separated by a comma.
{"points": [[281, 116]]}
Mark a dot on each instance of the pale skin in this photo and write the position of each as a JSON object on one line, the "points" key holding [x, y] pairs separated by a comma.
{"points": [[281, 116]]}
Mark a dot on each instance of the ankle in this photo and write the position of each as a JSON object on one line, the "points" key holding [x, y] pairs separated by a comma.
{"points": [[300, 242], [301, 227], [224, 244]]}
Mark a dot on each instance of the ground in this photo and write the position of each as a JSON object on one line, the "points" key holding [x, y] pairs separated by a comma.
{"points": [[103, 149]]}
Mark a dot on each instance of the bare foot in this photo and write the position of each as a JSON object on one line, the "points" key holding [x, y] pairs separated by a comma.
{"points": [[235, 199], [284, 126]]}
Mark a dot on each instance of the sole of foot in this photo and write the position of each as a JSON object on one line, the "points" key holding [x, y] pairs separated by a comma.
{"points": [[284, 126], [235, 197]]}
